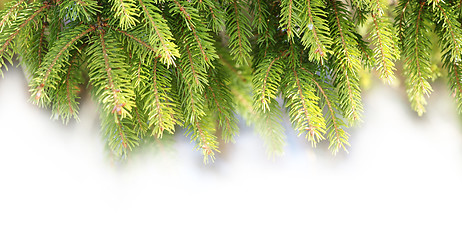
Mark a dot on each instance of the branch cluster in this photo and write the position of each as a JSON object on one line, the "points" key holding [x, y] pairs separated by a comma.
{"points": [[155, 65]]}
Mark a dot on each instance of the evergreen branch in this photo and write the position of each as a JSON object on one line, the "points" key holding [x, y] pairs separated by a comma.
{"points": [[192, 101], [315, 30], [367, 55], [65, 104], [202, 133], [32, 46], [385, 51], [160, 107], [126, 12], [268, 125], [118, 133], [9, 11], [377, 7], [450, 36], [417, 58], [109, 75], [219, 97], [160, 36], [345, 62], [197, 124], [336, 134], [238, 30], [214, 14], [201, 37], [259, 9], [80, 10], [54, 61], [266, 80], [267, 31], [17, 30], [288, 17], [400, 20], [302, 103], [137, 44]]}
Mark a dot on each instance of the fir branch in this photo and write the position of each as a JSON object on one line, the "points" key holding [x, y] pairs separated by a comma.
{"points": [[400, 20], [345, 63], [160, 36], [302, 103], [54, 61], [450, 36], [160, 107], [109, 75], [214, 14], [219, 97], [201, 132], [193, 102], [238, 30], [26, 17], [65, 104], [80, 10], [118, 133], [8, 13], [385, 51], [417, 57], [266, 80], [137, 44], [260, 12], [288, 17], [338, 138], [126, 12], [198, 36], [315, 30], [367, 55]]}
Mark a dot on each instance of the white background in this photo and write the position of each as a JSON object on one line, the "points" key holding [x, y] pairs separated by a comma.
{"points": [[402, 179]]}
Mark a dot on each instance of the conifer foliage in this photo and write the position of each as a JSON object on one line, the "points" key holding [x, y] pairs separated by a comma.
{"points": [[156, 65]]}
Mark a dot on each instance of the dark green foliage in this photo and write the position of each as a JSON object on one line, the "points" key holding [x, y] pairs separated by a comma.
{"points": [[156, 65]]}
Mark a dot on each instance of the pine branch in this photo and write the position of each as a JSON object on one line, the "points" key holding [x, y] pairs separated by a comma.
{"points": [[450, 41], [126, 13], [198, 35], [402, 10], [269, 127], [109, 75], [160, 36], [156, 65], [338, 138], [196, 121], [367, 55], [118, 133], [214, 14], [238, 30], [385, 51], [266, 80], [288, 20], [417, 57], [259, 10], [24, 17], [55, 61], [156, 95], [9, 12], [137, 44], [302, 103], [345, 64], [81, 10], [65, 104], [219, 97], [315, 30], [201, 132]]}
